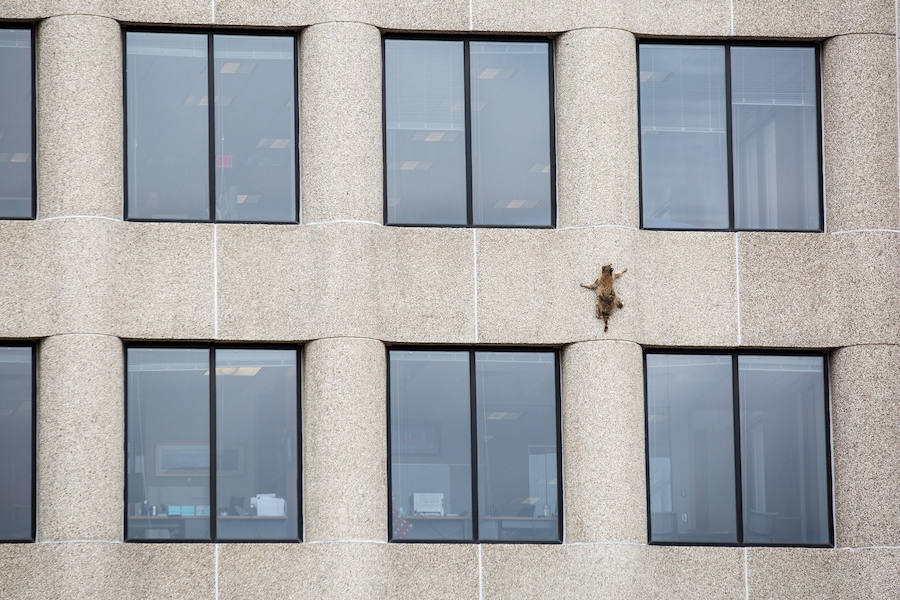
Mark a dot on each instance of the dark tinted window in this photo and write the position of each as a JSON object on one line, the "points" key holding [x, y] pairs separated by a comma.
{"points": [[513, 417], [169, 488], [16, 483], [693, 98], [254, 154], [16, 157], [777, 413], [485, 159]]}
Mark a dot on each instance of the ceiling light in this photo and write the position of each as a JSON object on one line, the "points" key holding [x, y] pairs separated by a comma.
{"points": [[434, 136], [516, 203], [241, 198], [409, 165], [19, 157], [230, 67], [489, 73], [531, 500], [280, 143]]}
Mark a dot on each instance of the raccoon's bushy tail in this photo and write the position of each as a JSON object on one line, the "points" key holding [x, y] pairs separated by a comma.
{"points": [[605, 324]]}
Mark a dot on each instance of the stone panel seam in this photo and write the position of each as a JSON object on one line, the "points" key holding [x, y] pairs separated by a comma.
{"points": [[347, 541], [737, 287], [217, 572], [81, 217], [867, 231], [79, 542], [344, 221], [54, 335], [480, 575], [339, 337], [475, 279], [861, 344], [212, 8], [604, 226], [746, 578], [857, 548], [607, 543], [589, 28], [731, 29], [470, 15], [849, 33], [897, 82]]}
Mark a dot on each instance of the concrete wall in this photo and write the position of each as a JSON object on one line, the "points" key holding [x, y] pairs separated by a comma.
{"points": [[78, 280]]}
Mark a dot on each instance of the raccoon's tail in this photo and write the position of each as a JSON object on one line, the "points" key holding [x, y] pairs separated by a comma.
{"points": [[605, 324]]}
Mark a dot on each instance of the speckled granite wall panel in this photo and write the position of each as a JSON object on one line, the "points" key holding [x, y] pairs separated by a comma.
{"points": [[596, 128], [603, 442], [340, 123], [79, 108], [812, 18], [345, 279], [611, 571], [81, 427], [859, 85], [137, 11], [871, 574], [679, 288], [449, 15], [349, 571], [865, 404], [344, 439], [811, 290], [105, 571]]}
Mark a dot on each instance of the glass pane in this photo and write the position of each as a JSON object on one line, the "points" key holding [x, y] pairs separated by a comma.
{"points": [[426, 140], [510, 85], [168, 125], [684, 147], [15, 123], [168, 443], [775, 138], [255, 137], [15, 443], [431, 456], [784, 465], [517, 446], [690, 422], [256, 439]]}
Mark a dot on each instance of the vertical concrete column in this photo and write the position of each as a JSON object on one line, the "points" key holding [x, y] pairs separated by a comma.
{"points": [[596, 128], [340, 122], [81, 431], [865, 402], [603, 442], [345, 439], [859, 102], [79, 117]]}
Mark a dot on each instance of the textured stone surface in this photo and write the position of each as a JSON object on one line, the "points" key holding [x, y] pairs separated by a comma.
{"points": [[813, 290], [611, 571], [603, 431], [679, 288], [95, 570], [662, 17], [350, 570], [871, 574], [345, 279], [859, 79], [865, 402], [81, 428], [139, 280], [344, 439], [596, 128], [340, 122], [410, 14], [79, 108], [147, 11], [812, 18]]}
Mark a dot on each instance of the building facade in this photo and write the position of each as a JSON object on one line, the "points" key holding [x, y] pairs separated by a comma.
{"points": [[82, 284]]}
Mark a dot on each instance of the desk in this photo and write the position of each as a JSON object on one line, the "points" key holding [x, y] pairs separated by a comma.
{"points": [[190, 527], [457, 527]]}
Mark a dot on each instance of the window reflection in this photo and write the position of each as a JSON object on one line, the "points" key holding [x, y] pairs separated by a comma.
{"points": [[16, 160], [15, 442]]}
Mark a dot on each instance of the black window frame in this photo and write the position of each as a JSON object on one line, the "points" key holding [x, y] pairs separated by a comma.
{"points": [[211, 146], [728, 45], [473, 420], [213, 512], [466, 39], [735, 408], [32, 28], [34, 414]]}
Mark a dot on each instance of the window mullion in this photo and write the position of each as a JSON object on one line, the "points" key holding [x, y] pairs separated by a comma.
{"points": [[213, 512], [211, 112], [738, 478], [728, 137], [467, 91], [474, 441]]}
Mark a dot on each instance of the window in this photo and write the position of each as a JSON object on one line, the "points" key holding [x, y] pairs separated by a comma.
{"points": [[474, 446], [738, 449], [233, 158], [469, 133], [177, 489], [17, 171], [17, 458], [730, 137]]}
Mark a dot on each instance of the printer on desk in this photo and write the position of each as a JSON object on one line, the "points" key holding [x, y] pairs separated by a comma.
{"points": [[268, 505]]}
